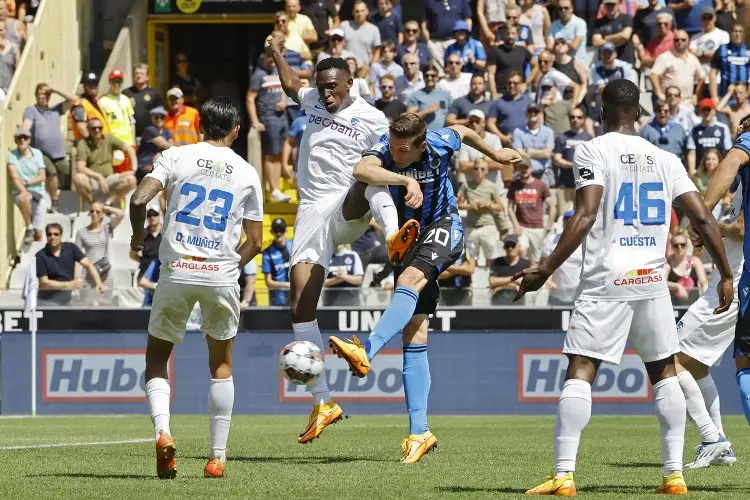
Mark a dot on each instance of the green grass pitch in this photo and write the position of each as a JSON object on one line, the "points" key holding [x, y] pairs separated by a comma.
{"points": [[358, 458]]}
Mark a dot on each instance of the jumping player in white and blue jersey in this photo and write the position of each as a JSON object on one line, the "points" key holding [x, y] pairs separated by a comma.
{"points": [[415, 162], [737, 161]]}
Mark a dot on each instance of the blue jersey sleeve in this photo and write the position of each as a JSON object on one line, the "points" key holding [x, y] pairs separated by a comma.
{"points": [[380, 150], [445, 138], [266, 262], [743, 143]]}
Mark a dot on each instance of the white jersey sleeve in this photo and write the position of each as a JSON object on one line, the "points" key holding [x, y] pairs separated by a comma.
{"points": [[308, 97], [587, 166], [681, 183], [163, 166]]}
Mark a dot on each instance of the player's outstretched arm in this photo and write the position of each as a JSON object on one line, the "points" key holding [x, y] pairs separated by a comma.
{"points": [[290, 81], [576, 229], [145, 192], [506, 156], [724, 175], [251, 247], [370, 171], [705, 225]]}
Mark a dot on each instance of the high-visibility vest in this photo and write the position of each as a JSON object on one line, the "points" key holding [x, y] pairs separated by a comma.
{"points": [[184, 125], [91, 111], [121, 116]]}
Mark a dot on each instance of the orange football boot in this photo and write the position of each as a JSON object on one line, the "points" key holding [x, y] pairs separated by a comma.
{"points": [[321, 417], [418, 445], [165, 463], [353, 353], [674, 484], [556, 486], [401, 241], [214, 468]]}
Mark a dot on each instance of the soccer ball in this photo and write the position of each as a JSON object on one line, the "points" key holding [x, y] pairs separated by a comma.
{"points": [[301, 362]]}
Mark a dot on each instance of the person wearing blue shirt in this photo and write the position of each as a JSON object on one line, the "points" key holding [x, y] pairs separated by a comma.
{"points": [[730, 63], [430, 103], [570, 27], [437, 26], [664, 133], [388, 22], [536, 141], [689, 14], [415, 163], [149, 280], [708, 134], [275, 264], [469, 49], [509, 112], [412, 45], [294, 139]]}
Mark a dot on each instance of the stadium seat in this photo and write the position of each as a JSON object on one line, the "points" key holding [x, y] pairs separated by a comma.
{"points": [[29, 253]]}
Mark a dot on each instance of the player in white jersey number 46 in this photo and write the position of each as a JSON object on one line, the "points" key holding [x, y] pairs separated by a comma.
{"points": [[213, 195], [624, 187]]}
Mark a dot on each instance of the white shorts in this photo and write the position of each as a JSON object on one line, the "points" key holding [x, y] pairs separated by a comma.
{"points": [[599, 329], [173, 303], [320, 227], [704, 336]]}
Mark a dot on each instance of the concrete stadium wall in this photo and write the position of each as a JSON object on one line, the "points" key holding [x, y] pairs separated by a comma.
{"points": [[130, 46]]}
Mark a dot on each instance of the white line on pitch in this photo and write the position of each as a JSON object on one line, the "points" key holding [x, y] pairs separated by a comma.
{"points": [[67, 445]]}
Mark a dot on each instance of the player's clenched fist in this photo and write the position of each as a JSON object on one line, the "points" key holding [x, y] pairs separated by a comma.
{"points": [[414, 194], [275, 41], [508, 156]]}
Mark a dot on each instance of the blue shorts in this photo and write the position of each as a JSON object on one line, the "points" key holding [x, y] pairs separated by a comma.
{"points": [[277, 128]]}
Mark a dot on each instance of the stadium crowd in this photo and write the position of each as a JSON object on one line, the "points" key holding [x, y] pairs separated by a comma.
{"points": [[523, 74]]}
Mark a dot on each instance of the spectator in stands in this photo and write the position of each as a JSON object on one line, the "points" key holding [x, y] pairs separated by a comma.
{"points": [[292, 39], [609, 67], [570, 27], [320, 12], [56, 269], [430, 103], [10, 55], [266, 106], [728, 12], [502, 286], [564, 281], [182, 121], [412, 79], [293, 140], [300, 24], [386, 66], [740, 108], [148, 281], [568, 65], [458, 113], [616, 28], [708, 134], [359, 87], [120, 115], [508, 113], [506, 58], [87, 108], [680, 112], [345, 272], [27, 175], [680, 68], [554, 107], [336, 46], [685, 274], [538, 19], [362, 37], [467, 155], [93, 240], [535, 142], [192, 90], [248, 278], [455, 82], [706, 169], [469, 50], [455, 282], [645, 25], [689, 13], [527, 197], [371, 246], [479, 197], [660, 43], [27, 10], [275, 265], [412, 45], [15, 28], [730, 63], [94, 172], [390, 25], [664, 133], [562, 158], [524, 38], [143, 98], [46, 136], [149, 251], [388, 103], [561, 81], [155, 139], [437, 27], [704, 43], [490, 15]]}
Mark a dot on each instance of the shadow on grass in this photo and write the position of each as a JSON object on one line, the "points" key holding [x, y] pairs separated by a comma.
{"points": [[469, 489], [300, 460], [621, 488], [637, 465], [83, 475]]}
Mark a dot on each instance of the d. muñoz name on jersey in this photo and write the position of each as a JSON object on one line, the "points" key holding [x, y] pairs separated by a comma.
{"points": [[210, 190], [333, 144], [623, 254]]}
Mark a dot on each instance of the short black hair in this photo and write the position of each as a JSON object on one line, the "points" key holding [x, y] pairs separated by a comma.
{"points": [[621, 94], [333, 63], [219, 115], [53, 225]]}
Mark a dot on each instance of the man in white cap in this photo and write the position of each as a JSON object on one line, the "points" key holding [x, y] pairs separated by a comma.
{"points": [[27, 175], [336, 47], [183, 121]]}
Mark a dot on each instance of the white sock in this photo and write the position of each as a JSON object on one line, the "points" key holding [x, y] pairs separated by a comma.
{"points": [[310, 332], [670, 410], [573, 413], [158, 393], [696, 408], [711, 398], [220, 403], [383, 208]]}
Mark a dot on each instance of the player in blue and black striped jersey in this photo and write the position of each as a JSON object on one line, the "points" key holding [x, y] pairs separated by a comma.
{"points": [[737, 162], [415, 163]]}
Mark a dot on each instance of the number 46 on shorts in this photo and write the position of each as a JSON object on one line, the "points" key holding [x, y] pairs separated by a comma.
{"points": [[650, 211]]}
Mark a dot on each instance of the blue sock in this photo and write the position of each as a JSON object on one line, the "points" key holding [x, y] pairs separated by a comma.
{"points": [[743, 379], [393, 320], [416, 386]]}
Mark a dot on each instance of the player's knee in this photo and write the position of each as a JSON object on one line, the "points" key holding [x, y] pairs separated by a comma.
{"points": [[582, 368], [741, 361], [371, 191], [412, 278], [415, 332], [661, 369]]}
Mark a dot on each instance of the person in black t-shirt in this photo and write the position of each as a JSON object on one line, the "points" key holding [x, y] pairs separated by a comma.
{"points": [[615, 27], [506, 58], [155, 138], [388, 103], [143, 97], [502, 286], [319, 11]]}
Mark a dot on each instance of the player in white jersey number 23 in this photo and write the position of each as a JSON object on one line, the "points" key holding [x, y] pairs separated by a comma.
{"points": [[624, 189], [213, 195]]}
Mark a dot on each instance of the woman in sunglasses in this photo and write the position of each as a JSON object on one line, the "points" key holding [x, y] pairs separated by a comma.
{"points": [[684, 273]]}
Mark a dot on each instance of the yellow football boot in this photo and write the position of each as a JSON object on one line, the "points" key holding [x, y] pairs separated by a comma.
{"points": [[353, 353], [557, 486], [674, 484], [418, 445], [321, 417]]}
